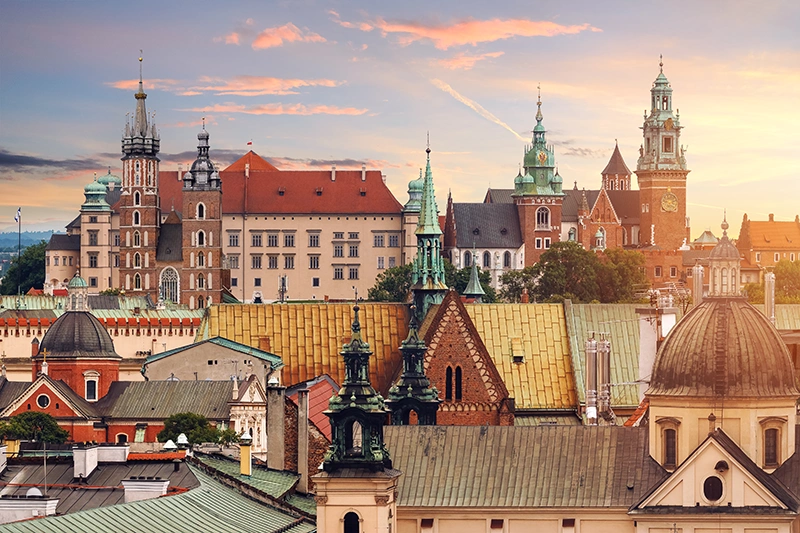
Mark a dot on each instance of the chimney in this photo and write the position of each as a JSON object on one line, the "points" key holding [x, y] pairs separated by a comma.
{"points": [[276, 414], [34, 346], [302, 439], [245, 454], [525, 298], [84, 459], [712, 423], [697, 283], [363, 172], [235, 395], [44, 368], [180, 171], [26, 506], [604, 376], [247, 170], [139, 488], [591, 381], [333, 173], [655, 323], [772, 217], [769, 296]]}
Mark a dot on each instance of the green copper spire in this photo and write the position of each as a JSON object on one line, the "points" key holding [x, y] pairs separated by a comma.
{"points": [[474, 289], [538, 164], [357, 412], [427, 278], [413, 391]]}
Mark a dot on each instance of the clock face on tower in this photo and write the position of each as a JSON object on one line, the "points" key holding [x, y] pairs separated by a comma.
{"points": [[669, 202], [542, 158]]}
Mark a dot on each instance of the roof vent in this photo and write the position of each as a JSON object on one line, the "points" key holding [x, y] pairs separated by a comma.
{"points": [[281, 191], [362, 191], [503, 231], [318, 190], [476, 231]]}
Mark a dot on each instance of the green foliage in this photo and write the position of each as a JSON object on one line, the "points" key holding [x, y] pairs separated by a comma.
{"points": [[392, 285], [459, 279], [228, 437], [514, 281], [33, 425], [621, 271], [787, 284], [26, 270], [112, 291], [194, 426]]}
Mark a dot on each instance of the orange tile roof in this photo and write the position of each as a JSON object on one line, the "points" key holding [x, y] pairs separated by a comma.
{"points": [[158, 456], [309, 337], [775, 235]]}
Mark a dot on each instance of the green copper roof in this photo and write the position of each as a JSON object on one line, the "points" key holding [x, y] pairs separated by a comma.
{"points": [[108, 178], [474, 286], [415, 194], [77, 282], [429, 213], [95, 193]]}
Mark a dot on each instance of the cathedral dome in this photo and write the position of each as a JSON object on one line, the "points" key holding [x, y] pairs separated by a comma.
{"points": [[724, 348], [109, 178], [724, 248], [77, 334], [77, 282]]}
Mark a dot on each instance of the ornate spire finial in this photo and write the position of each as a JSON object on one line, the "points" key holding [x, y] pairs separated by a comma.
{"points": [[428, 149], [95, 176], [539, 88], [539, 105], [140, 66], [109, 170], [724, 224], [204, 123], [661, 63]]}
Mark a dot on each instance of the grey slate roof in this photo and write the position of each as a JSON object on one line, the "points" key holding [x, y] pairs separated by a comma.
{"points": [[76, 222], [572, 202], [113, 196], [483, 225], [11, 390], [209, 507], [59, 241], [789, 472], [544, 466], [160, 399], [170, 243], [499, 196]]}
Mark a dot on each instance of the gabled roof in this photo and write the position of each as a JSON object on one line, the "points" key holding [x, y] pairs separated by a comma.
{"points": [[69, 397], [537, 333], [626, 205], [222, 342], [772, 235], [64, 242], [789, 472], [521, 467], [158, 400], [309, 337], [487, 226], [572, 203], [255, 161], [499, 196], [320, 390], [11, 390], [616, 165]]}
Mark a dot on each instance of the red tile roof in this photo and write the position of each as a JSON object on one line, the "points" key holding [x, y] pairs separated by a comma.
{"points": [[638, 413], [158, 456], [320, 391], [765, 235], [255, 161], [616, 165]]}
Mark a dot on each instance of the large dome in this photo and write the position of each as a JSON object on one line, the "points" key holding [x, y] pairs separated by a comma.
{"points": [[726, 348], [77, 334]]}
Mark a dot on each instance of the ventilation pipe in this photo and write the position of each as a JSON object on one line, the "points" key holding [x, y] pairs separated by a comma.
{"points": [[363, 172], [333, 173], [604, 376], [697, 283], [591, 381], [245, 454], [769, 296]]}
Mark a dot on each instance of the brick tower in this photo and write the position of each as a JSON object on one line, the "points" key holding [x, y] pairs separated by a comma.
{"points": [[140, 213], [661, 172]]}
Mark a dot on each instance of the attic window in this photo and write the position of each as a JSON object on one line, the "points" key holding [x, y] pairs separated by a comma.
{"points": [[362, 191], [476, 231], [503, 231], [318, 190], [281, 191]]}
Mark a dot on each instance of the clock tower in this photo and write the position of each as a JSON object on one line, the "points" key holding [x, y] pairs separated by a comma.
{"points": [[661, 172]]}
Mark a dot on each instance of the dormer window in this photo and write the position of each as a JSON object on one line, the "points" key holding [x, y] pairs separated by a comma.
{"points": [[281, 191], [319, 191], [476, 231]]}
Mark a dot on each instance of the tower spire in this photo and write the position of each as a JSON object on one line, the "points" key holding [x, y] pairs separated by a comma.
{"points": [[661, 63]]}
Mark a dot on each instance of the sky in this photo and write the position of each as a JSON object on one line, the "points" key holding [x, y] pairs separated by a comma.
{"points": [[316, 83]]}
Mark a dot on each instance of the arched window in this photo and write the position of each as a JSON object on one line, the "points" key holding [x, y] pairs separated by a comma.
{"points": [[137, 260], [507, 260], [467, 259], [201, 238], [448, 384], [137, 282], [122, 438], [543, 218], [137, 198], [90, 379], [168, 285], [352, 524], [724, 281], [201, 259], [487, 260], [201, 211], [137, 220], [734, 287], [353, 437], [137, 239], [201, 303], [771, 448], [458, 383], [201, 281], [670, 448], [600, 239]]}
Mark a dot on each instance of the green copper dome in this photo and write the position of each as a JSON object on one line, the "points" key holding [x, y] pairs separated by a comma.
{"points": [[109, 178], [95, 187], [77, 282]]}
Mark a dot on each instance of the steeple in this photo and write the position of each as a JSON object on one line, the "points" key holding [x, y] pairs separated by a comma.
{"points": [[427, 281], [357, 412], [616, 175], [141, 138], [474, 289], [413, 391], [538, 178], [661, 149], [203, 174]]}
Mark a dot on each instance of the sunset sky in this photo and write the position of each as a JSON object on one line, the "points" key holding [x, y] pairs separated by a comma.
{"points": [[316, 83]]}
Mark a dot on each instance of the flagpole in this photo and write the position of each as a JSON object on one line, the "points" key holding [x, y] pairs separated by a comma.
{"points": [[19, 252]]}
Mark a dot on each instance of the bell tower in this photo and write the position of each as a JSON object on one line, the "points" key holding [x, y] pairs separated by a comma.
{"points": [[661, 171], [140, 213]]}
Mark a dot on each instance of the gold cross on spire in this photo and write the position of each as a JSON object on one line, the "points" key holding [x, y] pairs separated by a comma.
{"points": [[44, 354]]}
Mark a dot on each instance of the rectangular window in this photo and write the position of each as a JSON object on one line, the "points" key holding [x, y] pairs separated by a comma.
{"points": [[92, 220], [288, 240], [353, 250], [315, 282], [139, 436], [538, 243], [352, 273], [777, 257], [673, 272], [233, 262], [546, 243], [338, 235], [116, 260], [92, 260], [272, 240], [116, 239], [233, 240], [338, 250], [91, 390], [255, 240], [55, 261], [658, 272], [381, 265], [771, 448], [313, 240], [93, 282], [791, 256], [255, 262], [352, 235], [670, 448], [234, 282], [338, 272], [273, 262], [70, 261], [313, 262], [257, 282], [394, 241], [288, 262], [667, 144], [392, 263], [377, 241], [93, 237], [758, 257]]}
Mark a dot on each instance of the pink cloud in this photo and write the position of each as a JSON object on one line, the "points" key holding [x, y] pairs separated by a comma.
{"points": [[466, 61], [258, 85], [231, 38], [288, 33], [472, 32], [132, 85], [278, 109]]}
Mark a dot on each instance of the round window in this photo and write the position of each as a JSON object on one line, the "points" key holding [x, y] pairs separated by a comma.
{"points": [[43, 401], [712, 488]]}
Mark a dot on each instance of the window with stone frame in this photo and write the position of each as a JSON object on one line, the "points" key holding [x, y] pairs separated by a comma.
{"points": [[338, 272], [93, 237], [394, 241], [288, 240], [256, 240], [313, 240], [233, 240], [255, 262]]}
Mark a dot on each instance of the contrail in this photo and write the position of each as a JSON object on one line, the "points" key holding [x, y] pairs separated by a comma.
{"points": [[475, 106]]}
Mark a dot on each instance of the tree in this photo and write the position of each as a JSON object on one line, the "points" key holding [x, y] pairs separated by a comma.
{"points": [[566, 271], [392, 285], [514, 281], [194, 426], [787, 284], [33, 425], [459, 279], [620, 273], [27, 270]]}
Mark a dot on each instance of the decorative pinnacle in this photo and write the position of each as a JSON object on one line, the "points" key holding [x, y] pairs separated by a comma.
{"points": [[539, 105], [661, 63], [428, 149], [140, 66], [204, 123], [724, 224]]}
